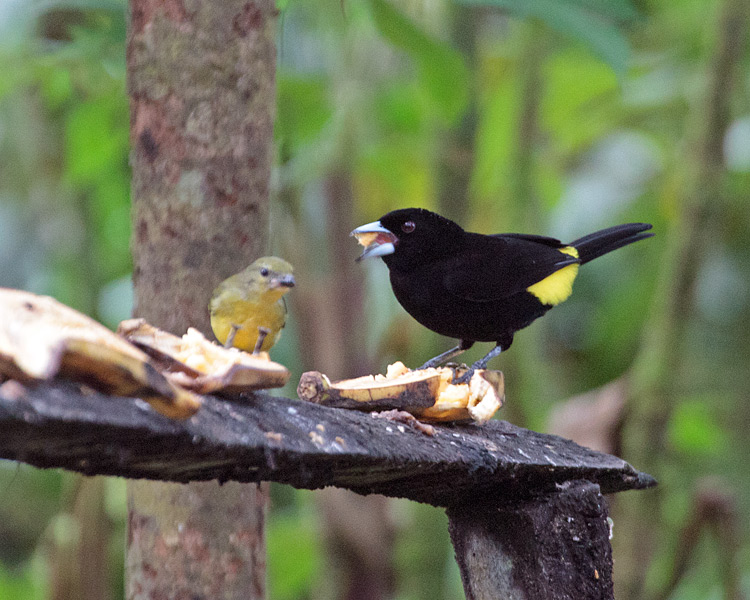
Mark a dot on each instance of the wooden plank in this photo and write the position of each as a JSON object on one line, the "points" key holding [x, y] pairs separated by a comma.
{"points": [[62, 425]]}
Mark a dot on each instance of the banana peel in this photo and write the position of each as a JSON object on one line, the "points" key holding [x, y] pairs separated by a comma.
{"points": [[41, 339], [202, 366], [427, 394]]}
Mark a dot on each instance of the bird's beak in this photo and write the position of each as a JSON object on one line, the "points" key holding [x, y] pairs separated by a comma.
{"points": [[377, 240], [284, 281]]}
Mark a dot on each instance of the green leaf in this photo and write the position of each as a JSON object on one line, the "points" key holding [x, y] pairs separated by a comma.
{"points": [[574, 20], [57, 87], [400, 108], [109, 214], [441, 68]]}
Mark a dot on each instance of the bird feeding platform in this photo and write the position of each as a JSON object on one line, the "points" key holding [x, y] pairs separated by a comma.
{"points": [[527, 515]]}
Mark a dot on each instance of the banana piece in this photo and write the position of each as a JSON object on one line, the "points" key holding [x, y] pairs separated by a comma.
{"points": [[42, 339], [370, 392], [198, 364], [365, 239], [427, 394], [480, 402]]}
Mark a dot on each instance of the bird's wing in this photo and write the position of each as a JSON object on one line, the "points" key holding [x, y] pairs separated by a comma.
{"points": [[530, 237], [496, 267]]}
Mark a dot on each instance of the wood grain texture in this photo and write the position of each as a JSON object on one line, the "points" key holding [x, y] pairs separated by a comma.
{"points": [[294, 442]]}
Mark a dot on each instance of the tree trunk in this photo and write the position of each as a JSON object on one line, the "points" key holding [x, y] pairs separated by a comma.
{"points": [[201, 83]]}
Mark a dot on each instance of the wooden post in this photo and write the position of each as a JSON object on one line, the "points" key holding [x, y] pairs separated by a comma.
{"points": [[202, 89], [549, 547]]}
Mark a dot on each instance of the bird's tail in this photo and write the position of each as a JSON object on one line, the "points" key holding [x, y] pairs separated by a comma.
{"points": [[600, 242]]}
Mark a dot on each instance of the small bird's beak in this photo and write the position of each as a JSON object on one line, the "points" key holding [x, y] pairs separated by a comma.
{"points": [[284, 281], [377, 240]]}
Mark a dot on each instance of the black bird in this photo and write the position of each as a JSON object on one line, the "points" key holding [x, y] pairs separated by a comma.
{"points": [[480, 288]]}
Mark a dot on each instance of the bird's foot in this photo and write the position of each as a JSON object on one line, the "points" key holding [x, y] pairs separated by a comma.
{"points": [[465, 377], [480, 365], [457, 368]]}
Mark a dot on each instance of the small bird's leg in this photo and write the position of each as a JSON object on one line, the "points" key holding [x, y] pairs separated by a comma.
{"points": [[262, 333], [463, 346], [479, 365], [230, 338]]}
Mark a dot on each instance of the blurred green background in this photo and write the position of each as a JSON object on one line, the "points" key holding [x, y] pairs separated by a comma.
{"points": [[546, 116]]}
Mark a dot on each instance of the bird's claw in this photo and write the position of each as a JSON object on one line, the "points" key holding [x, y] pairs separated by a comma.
{"points": [[465, 377], [457, 368]]}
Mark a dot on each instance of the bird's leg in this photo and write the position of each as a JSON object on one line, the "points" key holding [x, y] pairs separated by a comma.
{"points": [[441, 358], [482, 362], [230, 338], [262, 333], [479, 365], [463, 346]]}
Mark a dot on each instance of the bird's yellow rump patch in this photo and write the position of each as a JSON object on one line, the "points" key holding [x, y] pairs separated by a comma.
{"points": [[556, 288]]}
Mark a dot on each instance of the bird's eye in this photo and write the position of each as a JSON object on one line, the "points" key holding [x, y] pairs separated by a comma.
{"points": [[264, 271], [408, 227]]}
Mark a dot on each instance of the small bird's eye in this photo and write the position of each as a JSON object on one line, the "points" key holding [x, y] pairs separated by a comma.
{"points": [[264, 271], [408, 227]]}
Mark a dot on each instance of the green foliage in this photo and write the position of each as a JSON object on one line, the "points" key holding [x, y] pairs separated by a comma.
{"points": [[577, 108], [594, 24], [80, 170], [442, 72], [494, 142]]}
